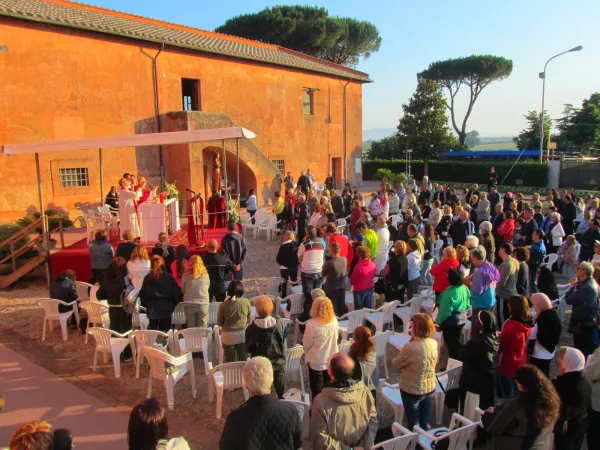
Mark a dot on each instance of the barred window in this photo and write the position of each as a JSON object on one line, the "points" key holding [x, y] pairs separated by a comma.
{"points": [[73, 177], [279, 165]]}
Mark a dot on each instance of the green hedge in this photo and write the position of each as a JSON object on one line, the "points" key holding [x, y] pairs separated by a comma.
{"points": [[532, 173]]}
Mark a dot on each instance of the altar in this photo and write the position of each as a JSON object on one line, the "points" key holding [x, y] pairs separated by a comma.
{"points": [[156, 218]]}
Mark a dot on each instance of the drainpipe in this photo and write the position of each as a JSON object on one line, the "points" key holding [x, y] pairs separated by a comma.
{"points": [[157, 115], [344, 136]]}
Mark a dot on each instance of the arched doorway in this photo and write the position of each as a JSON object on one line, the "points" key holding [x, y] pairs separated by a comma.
{"points": [[247, 176]]}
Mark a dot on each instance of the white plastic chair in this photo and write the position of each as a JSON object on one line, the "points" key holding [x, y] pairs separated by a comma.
{"points": [[391, 392], [341, 225], [403, 440], [218, 344], [446, 381], [139, 339], [303, 408], [178, 316], [169, 369], [194, 340], [139, 318], [296, 305], [267, 225], [460, 437], [213, 310], [51, 314], [471, 406], [289, 323], [249, 226], [83, 290], [272, 286], [344, 346], [293, 356], [318, 188], [396, 219], [549, 260], [437, 250], [97, 315], [353, 320], [408, 310], [383, 316], [381, 339], [225, 376], [109, 342]]}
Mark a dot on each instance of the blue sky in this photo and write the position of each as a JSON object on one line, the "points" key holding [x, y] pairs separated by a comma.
{"points": [[416, 33]]}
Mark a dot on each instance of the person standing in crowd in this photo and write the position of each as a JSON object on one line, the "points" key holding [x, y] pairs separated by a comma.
{"points": [[568, 212], [370, 238], [592, 372], [483, 208], [575, 392], [311, 255], [583, 297], [289, 182], [538, 218], [486, 239], [352, 406], [429, 238], [304, 183], [138, 266], [440, 270], [160, 294], [263, 422], [478, 356], [318, 217], [219, 270], [512, 352], [443, 226], [528, 225], [383, 241], [265, 337], [181, 263], [555, 233], [396, 273], [492, 179], [537, 252], [233, 317], [101, 252], [330, 182], [461, 228], [287, 258], [483, 283], [233, 246], [546, 283], [507, 287], [414, 267], [454, 303], [545, 333], [165, 251], [416, 362], [362, 352], [424, 195], [195, 285], [148, 428], [278, 206], [301, 214], [320, 342], [567, 259], [252, 205], [394, 202], [435, 215], [494, 198], [337, 203], [125, 248], [522, 256], [584, 225], [527, 420], [506, 229], [361, 279], [334, 270], [464, 258], [355, 216], [588, 240], [334, 236]]}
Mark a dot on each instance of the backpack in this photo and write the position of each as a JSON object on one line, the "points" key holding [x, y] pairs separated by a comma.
{"points": [[129, 297]]}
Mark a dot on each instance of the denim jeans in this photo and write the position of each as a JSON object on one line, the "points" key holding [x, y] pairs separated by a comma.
{"points": [[426, 279], [363, 299], [418, 409], [310, 281], [290, 273], [507, 387], [317, 380], [587, 341], [238, 275]]}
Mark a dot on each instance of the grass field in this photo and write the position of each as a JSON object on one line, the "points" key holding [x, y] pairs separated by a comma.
{"points": [[509, 145]]}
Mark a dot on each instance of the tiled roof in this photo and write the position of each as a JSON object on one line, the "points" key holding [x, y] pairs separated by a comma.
{"points": [[84, 17]]}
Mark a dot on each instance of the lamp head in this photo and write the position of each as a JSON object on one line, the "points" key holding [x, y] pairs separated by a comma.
{"points": [[576, 49]]}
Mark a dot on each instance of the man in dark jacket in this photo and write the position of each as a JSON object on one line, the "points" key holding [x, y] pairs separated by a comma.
{"points": [[265, 337], [588, 239], [568, 213], [461, 228], [494, 197], [334, 270], [525, 236], [219, 269], [304, 183], [583, 296], [234, 249], [264, 422], [337, 203]]}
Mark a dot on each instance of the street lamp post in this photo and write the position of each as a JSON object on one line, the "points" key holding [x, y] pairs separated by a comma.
{"points": [[543, 77]]}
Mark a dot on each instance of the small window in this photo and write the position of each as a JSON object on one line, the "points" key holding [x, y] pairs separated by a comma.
{"points": [[308, 102], [279, 165], [74, 177], [190, 94]]}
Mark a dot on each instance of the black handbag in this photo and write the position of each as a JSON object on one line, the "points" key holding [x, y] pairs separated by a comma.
{"points": [[380, 286]]}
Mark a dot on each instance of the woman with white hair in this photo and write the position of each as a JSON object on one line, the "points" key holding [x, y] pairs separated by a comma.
{"points": [[486, 239], [483, 208], [555, 233], [545, 334], [575, 392]]}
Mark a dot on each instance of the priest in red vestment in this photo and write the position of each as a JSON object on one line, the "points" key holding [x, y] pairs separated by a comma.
{"points": [[216, 211]]}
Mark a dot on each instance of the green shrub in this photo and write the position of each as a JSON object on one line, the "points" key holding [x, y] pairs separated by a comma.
{"points": [[6, 231], [52, 222], [531, 173], [387, 173]]}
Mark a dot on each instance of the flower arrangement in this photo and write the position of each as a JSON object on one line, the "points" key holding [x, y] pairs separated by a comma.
{"points": [[171, 189]]}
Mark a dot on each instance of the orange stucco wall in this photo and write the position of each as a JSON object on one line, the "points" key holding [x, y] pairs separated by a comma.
{"points": [[60, 83]]}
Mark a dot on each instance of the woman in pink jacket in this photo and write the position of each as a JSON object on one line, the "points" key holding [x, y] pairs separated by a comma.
{"points": [[362, 278]]}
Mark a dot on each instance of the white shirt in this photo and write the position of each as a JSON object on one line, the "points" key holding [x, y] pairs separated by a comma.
{"points": [[383, 209], [414, 265], [320, 343], [138, 269], [557, 233], [539, 351], [251, 204]]}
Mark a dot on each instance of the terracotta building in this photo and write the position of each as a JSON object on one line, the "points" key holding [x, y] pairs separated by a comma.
{"points": [[70, 71]]}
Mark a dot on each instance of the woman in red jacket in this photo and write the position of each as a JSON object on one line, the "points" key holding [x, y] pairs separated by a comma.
{"points": [[507, 227], [362, 279], [512, 352], [440, 271]]}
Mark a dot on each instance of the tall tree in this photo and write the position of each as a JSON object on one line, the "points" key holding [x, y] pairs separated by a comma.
{"points": [[529, 138], [424, 126], [472, 139], [386, 148], [476, 72], [310, 30], [580, 128]]}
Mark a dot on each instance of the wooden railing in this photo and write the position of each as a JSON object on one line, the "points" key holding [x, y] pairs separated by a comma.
{"points": [[35, 243]]}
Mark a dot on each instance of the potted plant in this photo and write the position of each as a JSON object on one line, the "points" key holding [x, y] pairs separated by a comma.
{"points": [[6, 231], [53, 222], [171, 190]]}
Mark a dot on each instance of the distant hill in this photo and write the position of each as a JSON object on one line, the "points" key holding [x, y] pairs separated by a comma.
{"points": [[378, 133], [499, 145]]}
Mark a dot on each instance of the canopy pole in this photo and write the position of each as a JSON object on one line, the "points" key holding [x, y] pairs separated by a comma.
{"points": [[226, 190], [101, 178], [237, 154], [45, 240]]}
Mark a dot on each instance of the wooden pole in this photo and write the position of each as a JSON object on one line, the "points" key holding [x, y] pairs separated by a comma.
{"points": [[225, 172], [45, 240], [237, 154], [101, 178]]}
